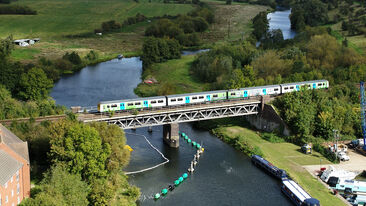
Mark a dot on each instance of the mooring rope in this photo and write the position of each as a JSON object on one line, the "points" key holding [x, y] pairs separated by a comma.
{"points": [[150, 168]]}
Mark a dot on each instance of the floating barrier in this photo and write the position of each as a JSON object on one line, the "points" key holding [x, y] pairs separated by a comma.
{"points": [[194, 162]]}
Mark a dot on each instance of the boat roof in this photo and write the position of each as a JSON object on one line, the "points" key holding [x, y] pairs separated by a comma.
{"points": [[305, 82], [296, 189], [197, 93], [131, 100]]}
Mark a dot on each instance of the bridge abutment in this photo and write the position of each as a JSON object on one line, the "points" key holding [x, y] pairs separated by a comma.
{"points": [[171, 134]]}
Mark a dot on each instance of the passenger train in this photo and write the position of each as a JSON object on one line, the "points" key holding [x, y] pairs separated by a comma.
{"points": [[209, 96]]}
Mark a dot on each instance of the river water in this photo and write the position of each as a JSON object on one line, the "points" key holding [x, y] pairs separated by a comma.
{"points": [[281, 20], [223, 176]]}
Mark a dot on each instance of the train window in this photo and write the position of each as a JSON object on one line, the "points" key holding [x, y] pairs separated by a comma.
{"points": [[160, 101], [215, 95], [108, 106], [194, 97], [153, 102], [286, 87], [309, 86], [232, 93], [201, 97], [291, 87], [173, 100], [137, 103], [320, 84], [180, 99], [114, 105], [129, 104], [275, 90]]}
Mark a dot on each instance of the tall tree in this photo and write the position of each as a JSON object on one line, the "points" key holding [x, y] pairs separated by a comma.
{"points": [[34, 85], [80, 148]]}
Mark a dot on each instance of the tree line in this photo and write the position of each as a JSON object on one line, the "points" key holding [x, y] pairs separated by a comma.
{"points": [[77, 163], [166, 37]]}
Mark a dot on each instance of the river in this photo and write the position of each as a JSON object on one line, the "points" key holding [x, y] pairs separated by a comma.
{"points": [[223, 176], [280, 20]]}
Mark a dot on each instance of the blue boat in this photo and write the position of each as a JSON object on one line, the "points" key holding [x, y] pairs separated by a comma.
{"points": [[269, 167], [297, 194]]}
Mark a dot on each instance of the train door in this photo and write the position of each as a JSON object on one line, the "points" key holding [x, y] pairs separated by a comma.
{"points": [[264, 92], [297, 88], [314, 86], [146, 103], [245, 93], [187, 100], [122, 106], [208, 98]]}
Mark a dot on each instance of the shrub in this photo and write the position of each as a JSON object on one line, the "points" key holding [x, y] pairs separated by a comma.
{"points": [[73, 57], [272, 138], [110, 26], [16, 9]]}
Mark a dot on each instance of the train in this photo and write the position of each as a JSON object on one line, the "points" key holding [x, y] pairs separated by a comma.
{"points": [[208, 96]]}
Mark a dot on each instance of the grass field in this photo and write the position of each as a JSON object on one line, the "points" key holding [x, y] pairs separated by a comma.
{"points": [[237, 15], [287, 156], [174, 72], [60, 17]]}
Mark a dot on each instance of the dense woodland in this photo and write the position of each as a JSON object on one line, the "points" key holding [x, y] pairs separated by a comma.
{"points": [[81, 164]]}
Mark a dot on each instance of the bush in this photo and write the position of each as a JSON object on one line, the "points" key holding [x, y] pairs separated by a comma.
{"points": [[110, 26], [272, 138], [325, 152], [72, 57], [16, 9]]}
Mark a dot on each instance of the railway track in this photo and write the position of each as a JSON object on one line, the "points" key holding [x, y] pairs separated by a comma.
{"points": [[37, 119]]}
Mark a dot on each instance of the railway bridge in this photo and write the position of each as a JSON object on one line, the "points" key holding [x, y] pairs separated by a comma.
{"points": [[170, 117]]}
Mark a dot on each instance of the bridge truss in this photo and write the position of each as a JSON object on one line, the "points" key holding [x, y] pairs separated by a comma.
{"points": [[180, 115]]}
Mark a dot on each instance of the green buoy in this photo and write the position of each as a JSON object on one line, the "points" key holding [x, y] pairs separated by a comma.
{"points": [[185, 175], [176, 182], [194, 143], [181, 179], [164, 191], [157, 196], [185, 137], [198, 146], [189, 140]]}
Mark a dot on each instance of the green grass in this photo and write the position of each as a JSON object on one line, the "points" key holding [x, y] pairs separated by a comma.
{"points": [[174, 72], [24, 53], [60, 17], [289, 157]]}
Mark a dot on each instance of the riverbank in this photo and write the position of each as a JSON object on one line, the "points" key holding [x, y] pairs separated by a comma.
{"points": [[284, 155]]}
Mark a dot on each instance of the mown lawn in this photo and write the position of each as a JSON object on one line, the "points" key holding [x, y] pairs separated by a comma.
{"points": [[174, 72], [287, 156], [60, 17]]}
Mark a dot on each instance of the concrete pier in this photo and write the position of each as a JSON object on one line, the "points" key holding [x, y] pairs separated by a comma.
{"points": [[171, 134]]}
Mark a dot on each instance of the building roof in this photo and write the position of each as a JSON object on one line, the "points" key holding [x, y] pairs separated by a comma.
{"points": [[8, 166], [16, 144]]}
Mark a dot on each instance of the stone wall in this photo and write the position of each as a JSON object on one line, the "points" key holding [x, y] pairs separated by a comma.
{"points": [[269, 121]]}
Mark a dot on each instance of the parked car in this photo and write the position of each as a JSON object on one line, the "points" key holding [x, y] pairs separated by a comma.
{"points": [[342, 156]]}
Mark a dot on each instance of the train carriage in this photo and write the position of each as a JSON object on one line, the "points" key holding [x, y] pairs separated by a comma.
{"points": [[296, 86], [297, 194], [262, 90], [138, 103], [193, 98], [235, 94]]}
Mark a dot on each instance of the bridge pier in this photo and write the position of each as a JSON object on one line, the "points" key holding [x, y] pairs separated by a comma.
{"points": [[171, 134]]}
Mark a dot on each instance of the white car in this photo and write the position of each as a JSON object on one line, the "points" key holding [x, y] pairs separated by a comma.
{"points": [[342, 156]]}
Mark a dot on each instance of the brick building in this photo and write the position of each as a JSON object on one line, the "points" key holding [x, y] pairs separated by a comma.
{"points": [[14, 169]]}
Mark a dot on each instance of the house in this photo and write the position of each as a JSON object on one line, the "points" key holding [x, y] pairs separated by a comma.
{"points": [[14, 168]]}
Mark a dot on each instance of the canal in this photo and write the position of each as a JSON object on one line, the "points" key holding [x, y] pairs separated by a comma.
{"points": [[223, 176]]}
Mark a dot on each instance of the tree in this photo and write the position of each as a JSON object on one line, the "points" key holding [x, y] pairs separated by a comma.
{"points": [[271, 64], [228, 2], [6, 47], [34, 85], [80, 148], [59, 188], [323, 51], [311, 12], [260, 24], [115, 137]]}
